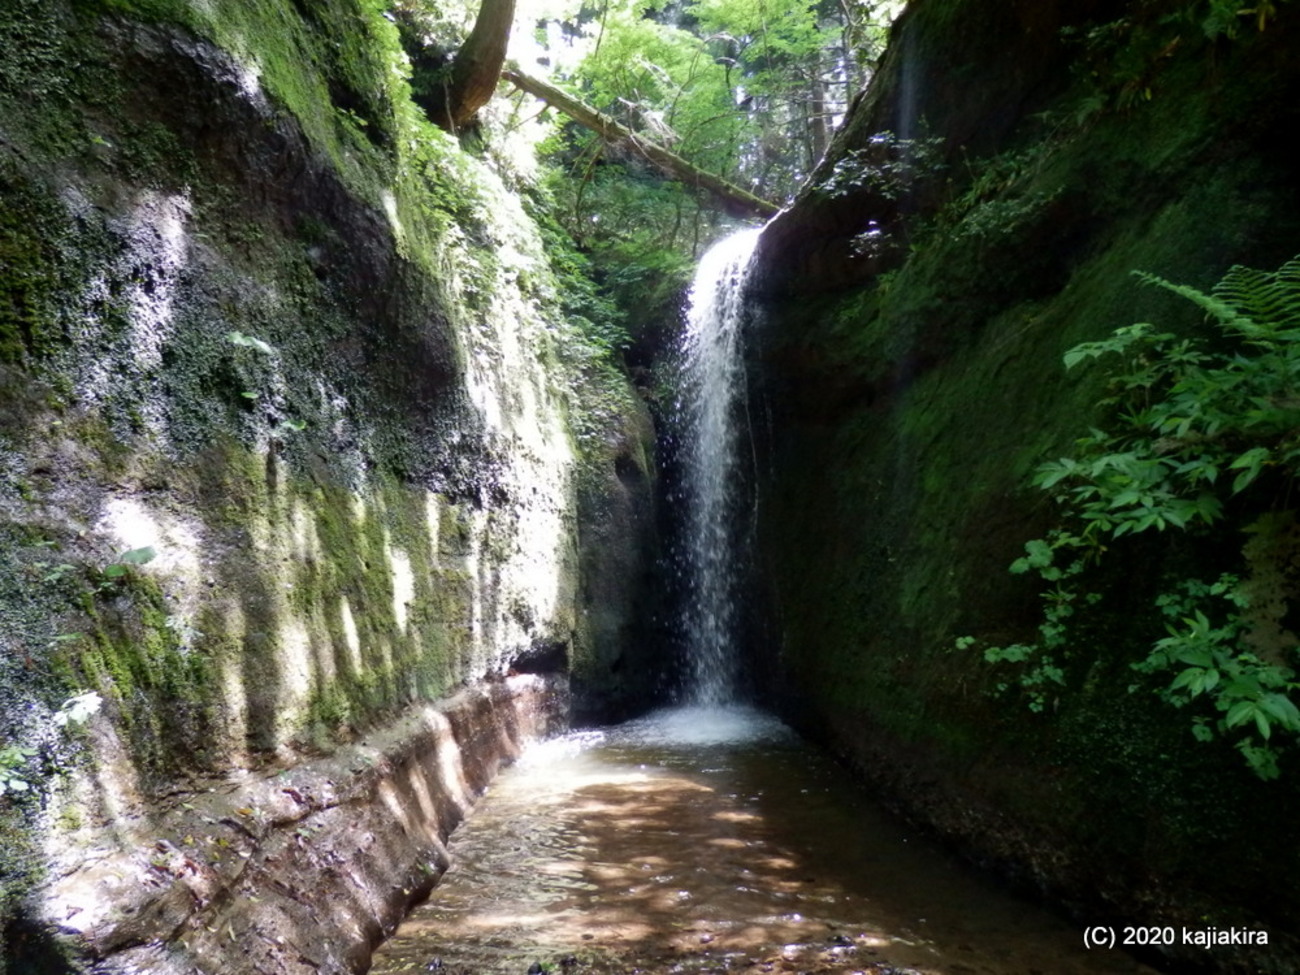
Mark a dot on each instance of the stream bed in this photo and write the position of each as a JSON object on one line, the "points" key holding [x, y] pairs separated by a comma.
{"points": [[712, 840]]}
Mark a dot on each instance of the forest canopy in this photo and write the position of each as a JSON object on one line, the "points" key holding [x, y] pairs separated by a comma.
{"points": [[747, 92]]}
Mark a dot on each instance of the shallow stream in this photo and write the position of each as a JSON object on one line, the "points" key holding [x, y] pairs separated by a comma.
{"points": [[711, 840]]}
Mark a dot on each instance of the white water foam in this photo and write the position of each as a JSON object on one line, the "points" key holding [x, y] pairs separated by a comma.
{"points": [[713, 390], [705, 725]]}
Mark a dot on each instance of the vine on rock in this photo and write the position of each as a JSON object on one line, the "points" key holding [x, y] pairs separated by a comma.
{"points": [[1201, 431]]}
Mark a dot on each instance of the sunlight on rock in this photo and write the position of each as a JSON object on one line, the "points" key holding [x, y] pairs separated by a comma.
{"points": [[423, 789], [296, 662], [451, 769], [158, 230], [403, 585], [145, 274], [249, 74], [393, 802], [389, 203], [351, 637], [433, 522], [179, 562], [302, 532]]}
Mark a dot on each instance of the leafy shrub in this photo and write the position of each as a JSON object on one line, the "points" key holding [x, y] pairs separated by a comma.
{"points": [[1197, 428]]}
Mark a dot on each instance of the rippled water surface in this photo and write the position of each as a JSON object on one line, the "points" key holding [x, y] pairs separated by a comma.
{"points": [[711, 840]]}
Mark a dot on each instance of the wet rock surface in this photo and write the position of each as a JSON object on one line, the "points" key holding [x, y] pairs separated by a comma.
{"points": [[300, 869], [910, 407], [321, 381]]}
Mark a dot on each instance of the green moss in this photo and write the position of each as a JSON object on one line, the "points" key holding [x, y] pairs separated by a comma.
{"points": [[30, 265], [917, 408], [21, 870], [343, 366], [168, 679], [35, 54], [164, 692], [101, 167], [976, 398], [151, 154], [337, 70]]}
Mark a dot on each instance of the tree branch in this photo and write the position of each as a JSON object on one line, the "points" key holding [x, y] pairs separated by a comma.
{"points": [[734, 199]]}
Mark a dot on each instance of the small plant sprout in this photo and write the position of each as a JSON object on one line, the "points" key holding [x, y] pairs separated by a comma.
{"points": [[75, 711], [286, 427], [136, 556], [78, 709], [12, 758], [250, 342]]}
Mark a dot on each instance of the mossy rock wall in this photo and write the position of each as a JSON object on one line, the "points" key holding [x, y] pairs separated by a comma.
{"points": [[916, 381], [257, 315]]}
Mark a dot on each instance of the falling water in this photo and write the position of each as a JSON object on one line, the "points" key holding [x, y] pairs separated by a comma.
{"points": [[712, 404], [709, 838]]}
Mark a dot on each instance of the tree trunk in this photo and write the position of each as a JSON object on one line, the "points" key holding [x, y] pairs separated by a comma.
{"points": [[817, 113], [477, 67], [734, 199]]}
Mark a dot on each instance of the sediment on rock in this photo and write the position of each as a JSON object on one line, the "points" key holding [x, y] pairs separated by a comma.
{"points": [[295, 870]]}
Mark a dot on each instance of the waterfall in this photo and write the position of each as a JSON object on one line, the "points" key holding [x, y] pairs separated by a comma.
{"points": [[711, 409]]}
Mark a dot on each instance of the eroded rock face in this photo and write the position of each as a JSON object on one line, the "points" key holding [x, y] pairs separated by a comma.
{"points": [[914, 394], [300, 870], [618, 657], [358, 486], [909, 135], [262, 323]]}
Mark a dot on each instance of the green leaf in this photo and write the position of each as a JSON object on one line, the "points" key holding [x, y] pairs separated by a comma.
{"points": [[1181, 413], [1243, 480], [1188, 676], [249, 342], [1050, 475], [1280, 707], [1038, 552], [138, 556], [1239, 713], [1079, 353], [1251, 458], [78, 709]]}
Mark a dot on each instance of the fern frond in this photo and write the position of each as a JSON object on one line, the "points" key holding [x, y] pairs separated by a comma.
{"points": [[1271, 299], [1223, 311]]}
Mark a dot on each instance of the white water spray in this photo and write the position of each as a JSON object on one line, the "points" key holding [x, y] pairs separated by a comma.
{"points": [[713, 391]]}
